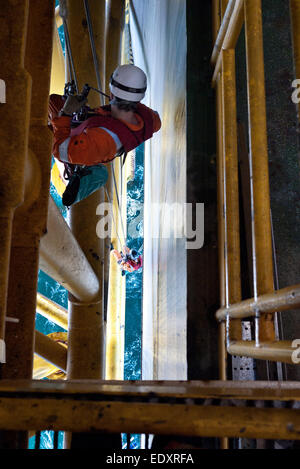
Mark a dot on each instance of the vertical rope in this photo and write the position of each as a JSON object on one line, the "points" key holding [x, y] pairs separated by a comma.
{"points": [[63, 13], [93, 48]]}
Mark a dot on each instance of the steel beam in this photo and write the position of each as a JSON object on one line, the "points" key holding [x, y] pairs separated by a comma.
{"points": [[90, 389], [33, 407], [115, 417]]}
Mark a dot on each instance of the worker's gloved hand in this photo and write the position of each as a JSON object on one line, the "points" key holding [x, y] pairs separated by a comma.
{"points": [[73, 104]]}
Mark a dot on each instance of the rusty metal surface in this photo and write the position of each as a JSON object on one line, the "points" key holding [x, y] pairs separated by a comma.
{"points": [[137, 417], [145, 390], [258, 157], [231, 191], [32, 405]]}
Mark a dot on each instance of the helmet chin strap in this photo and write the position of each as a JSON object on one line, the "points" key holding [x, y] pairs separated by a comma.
{"points": [[113, 100]]}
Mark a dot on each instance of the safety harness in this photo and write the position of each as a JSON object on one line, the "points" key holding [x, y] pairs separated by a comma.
{"points": [[130, 139]]}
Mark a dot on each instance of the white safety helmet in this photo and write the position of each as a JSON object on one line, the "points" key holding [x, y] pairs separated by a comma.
{"points": [[128, 83]]}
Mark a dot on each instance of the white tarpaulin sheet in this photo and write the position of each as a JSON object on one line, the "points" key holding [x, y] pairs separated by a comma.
{"points": [[158, 31]]}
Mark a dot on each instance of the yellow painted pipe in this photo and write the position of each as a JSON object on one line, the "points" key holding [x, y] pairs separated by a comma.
{"points": [[222, 149], [52, 311], [86, 341], [277, 351], [295, 23], [215, 18], [223, 4], [14, 118], [58, 66], [34, 23], [30, 217], [280, 300], [114, 28], [234, 26], [80, 42], [258, 157], [222, 31], [115, 324], [52, 351], [231, 189], [221, 227], [58, 18], [113, 35], [231, 36], [79, 277], [113, 57], [43, 368], [116, 283], [116, 298], [56, 179]]}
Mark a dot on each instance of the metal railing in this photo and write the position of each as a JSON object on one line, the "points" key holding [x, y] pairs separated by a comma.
{"points": [[228, 19]]}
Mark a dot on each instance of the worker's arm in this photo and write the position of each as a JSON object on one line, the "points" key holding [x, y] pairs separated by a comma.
{"points": [[91, 147]]}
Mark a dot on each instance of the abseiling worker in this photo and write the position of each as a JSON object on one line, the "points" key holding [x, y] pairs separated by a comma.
{"points": [[128, 259], [112, 130]]}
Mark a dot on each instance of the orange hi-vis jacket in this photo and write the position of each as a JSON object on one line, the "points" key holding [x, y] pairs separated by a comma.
{"points": [[91, 143]]}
